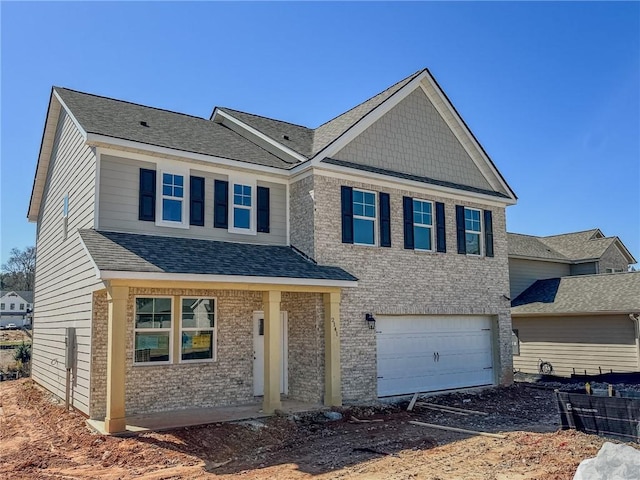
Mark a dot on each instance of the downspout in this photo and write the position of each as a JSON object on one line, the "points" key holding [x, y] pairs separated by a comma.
{"points": [[635, 318]]}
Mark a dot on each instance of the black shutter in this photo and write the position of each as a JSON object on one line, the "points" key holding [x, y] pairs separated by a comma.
{"points": [[147, 200], [441, 232], [407, 207], [385, 219], [220, 202], [347, 214], [462, 241], [196, 199], [263, 209], [488, 233]]}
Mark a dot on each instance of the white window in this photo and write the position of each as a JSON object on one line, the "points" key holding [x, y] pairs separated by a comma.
{"points": [[515, 341], [242, 206], [22, 306], [364, 217], [198, 330], [422, 225], [2, 306], [172, 197], [12, 306], [152, 330], [473, 231]]}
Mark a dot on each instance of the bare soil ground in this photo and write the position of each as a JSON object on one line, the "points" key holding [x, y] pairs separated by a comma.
{"points": [[39, 440], [6, 355]]}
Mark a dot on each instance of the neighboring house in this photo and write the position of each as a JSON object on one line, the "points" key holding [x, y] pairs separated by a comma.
{"points": [[572, 307], [580, 253], [15, 307], [207, 262], [584, 324]]}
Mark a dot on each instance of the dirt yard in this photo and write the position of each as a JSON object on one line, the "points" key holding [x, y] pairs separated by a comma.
{"points": [[6, 355], [38, 440]]}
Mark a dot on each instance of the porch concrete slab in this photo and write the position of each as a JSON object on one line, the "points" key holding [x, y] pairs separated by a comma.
{"points": [[154, 422]]}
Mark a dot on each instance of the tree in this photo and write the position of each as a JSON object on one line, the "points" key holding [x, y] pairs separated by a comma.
{"points": [[19, 271]]}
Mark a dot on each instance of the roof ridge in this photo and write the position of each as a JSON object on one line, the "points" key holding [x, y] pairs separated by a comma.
{"points": [[262, 116], [573, 233], [130, 103], [409, 78]]}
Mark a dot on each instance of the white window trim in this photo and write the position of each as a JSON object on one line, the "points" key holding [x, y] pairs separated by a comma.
{"points": [[160, 171], [143, 330], [361, 217], [194, 329], [479, 233], [251, 182], [424, 225]]}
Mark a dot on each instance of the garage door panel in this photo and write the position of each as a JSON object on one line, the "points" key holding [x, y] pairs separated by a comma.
{"points": [[428, 353]]}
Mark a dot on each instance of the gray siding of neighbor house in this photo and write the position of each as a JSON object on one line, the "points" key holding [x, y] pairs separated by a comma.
{"points": [[413, 138], [612, 258], [65, 277], [523, 273], [395, 281], [118, 206], [588, 268], [584, 343]]}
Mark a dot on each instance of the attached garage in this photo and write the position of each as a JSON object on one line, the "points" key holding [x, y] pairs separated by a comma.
{"points": [[430, 353]]}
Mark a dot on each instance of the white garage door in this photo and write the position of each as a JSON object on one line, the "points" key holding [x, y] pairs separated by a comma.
{"points": [[429, 353]]}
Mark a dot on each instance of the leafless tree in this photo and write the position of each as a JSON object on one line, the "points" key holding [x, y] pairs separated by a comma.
{"points": [[19, 271]]}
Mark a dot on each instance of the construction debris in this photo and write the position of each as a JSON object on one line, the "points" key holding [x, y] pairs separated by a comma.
{"points": [[358, 420], [452, 409], [460, 430], [413, 401], [430, 407]]}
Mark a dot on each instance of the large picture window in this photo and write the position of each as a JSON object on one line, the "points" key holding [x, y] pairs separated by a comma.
{"points": [[473, 231], [422, 225], [152, 330], [364, 217], [198, 329]]}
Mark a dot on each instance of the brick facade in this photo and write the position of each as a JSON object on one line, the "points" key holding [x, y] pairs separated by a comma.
{"points": [[398, 281]]}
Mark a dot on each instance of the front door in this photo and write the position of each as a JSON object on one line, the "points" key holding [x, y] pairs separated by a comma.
{"points": [[258, 353]]}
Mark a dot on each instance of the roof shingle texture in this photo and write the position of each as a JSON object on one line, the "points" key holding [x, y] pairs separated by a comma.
{"points": [[617, 292], [26, 295], [128, 252], [120, 119]]}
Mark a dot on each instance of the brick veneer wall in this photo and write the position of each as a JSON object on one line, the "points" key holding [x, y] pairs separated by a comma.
{"points": [[228, 380], [398, 281]]}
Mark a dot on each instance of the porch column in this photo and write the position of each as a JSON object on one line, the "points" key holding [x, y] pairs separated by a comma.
{"points": [[116, 353], [332, 376], [272, 351]]}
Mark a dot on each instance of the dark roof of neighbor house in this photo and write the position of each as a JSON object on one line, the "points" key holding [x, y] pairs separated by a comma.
{"points": [[569, 247], [609, 292], [129, 252], [307, 141], [27, 296], [123, 120]]}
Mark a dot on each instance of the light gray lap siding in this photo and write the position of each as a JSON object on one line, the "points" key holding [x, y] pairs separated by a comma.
{"points": [[413, 138], [65, 278], [523, 273], [118, 206]]}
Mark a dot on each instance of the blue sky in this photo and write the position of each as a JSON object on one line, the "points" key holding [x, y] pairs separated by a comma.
{"points": [[551, 90]]}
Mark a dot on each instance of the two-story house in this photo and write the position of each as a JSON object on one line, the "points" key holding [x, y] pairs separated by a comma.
{"points": [[575, 307], [207, 262], [15, 308]]}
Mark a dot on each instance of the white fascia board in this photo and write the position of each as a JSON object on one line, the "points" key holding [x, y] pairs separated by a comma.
{"points": [[94, 139], [73, 119], [471, 138], [86, 251], [205, 278], [362, 124], [280, 176], [283, 148], [345, 173], [623, 249], [569, 313]]}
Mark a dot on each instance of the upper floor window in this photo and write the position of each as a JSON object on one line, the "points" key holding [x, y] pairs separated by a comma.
{"points": [[242, 206], [474, 231], [12, 306], [422, 225], [2, 306], [22, 306], [172, 197], [364, 217]]}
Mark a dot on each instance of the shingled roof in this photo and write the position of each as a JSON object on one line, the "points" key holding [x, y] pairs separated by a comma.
{"points": [[569, 247], [307, 141], [163, 128], [617, 292], [126, 252]]}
